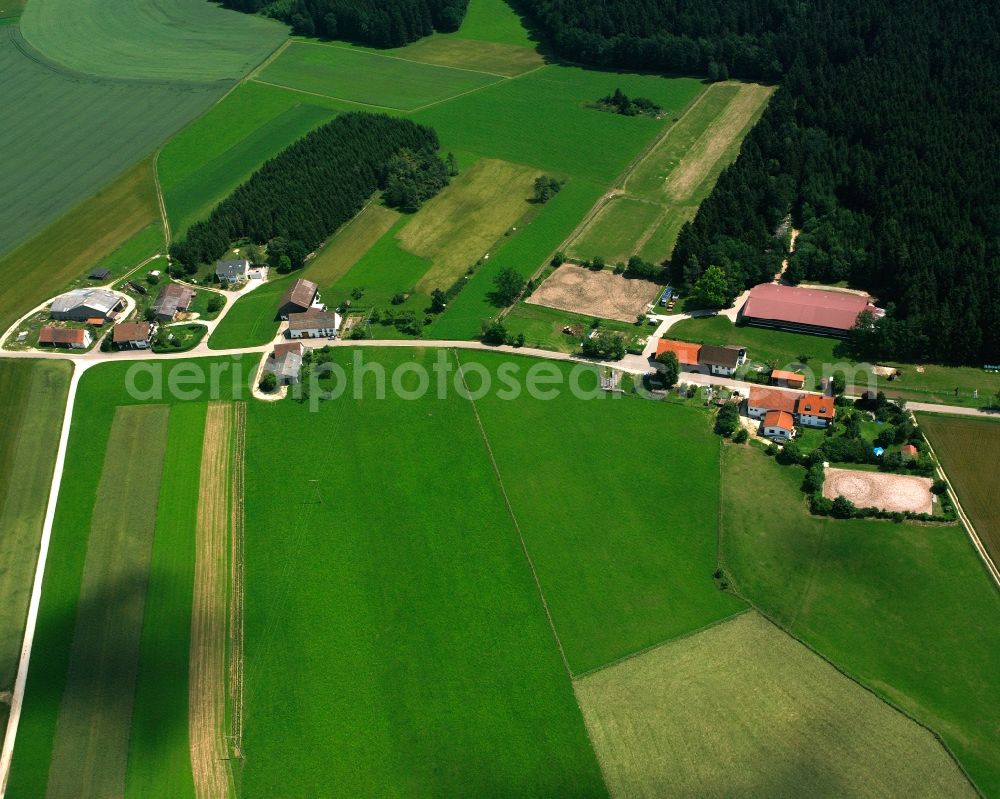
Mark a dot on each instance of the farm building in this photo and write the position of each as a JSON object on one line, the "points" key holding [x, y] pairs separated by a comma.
{"points": [[232, 271], [804, 310], [780, 377], [313, 323], [704, 357], [762, 400], [79, 305], [171, 300], [76, 339], [298, 298], [779, 425], [285, 363], [815, 410], [722, 360], [100, 274], [909, 452], [132, 335]]}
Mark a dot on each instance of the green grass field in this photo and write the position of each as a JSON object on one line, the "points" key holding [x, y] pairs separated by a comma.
{"points": [[906, 609], [53, 167], [494, 21], [349, 244], [356, 76], [504, 60], [542, 327], [668, 184], [168, 40], [32, 398], [744, 710], [961, 444], [455, 228], [90, 748], [254, 318], [447, 682]]}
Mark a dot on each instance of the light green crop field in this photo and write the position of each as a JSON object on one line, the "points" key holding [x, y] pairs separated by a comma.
{"points": [[195, 196], [357, 76], [90, 749], [350, 244], [676, 175], [744, 710], [167, 40], [447, 682], [458, 226], [254, 318], [159, 757], [618, 576], [445, 50], [962, 445], [32, 399], [60, 148], [906, 609], [77, 241]]}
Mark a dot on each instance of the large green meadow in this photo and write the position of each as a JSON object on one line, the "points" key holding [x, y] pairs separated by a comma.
{"points": [[906, 609]]}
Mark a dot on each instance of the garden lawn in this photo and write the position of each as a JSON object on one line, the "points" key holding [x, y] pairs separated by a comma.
{"points": [[32, 399], [353, 75], [625, 556], [744, 710], [253, 320], [168, 40], [399, 646], [965, 448], [906, 609], [543, 327]]}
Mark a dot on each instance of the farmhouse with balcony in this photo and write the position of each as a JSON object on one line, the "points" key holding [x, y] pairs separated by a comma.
{"points": [[69, 338], [299, 298], [232, 271], [172, 299], [805, 310], [313, 323], [79, 305]]}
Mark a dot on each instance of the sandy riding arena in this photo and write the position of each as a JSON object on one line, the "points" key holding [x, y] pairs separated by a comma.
{"points": [[603, 294], [891, 492]]}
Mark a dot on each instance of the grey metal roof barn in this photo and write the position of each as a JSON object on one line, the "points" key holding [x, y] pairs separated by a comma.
{"points": [[82, 304], [170, 300]]}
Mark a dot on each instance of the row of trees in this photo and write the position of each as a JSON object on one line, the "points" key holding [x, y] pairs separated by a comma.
{"points": [[881, 142], [380, 23], [317, 184]]}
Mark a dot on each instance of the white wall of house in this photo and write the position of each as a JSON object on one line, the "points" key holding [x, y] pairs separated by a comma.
{"points": [[812, 421], [778, 433], [313, 332]]}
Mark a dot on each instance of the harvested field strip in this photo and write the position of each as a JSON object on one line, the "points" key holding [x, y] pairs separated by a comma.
{"points": [[744, 710], [461, 223], [713, 143], [491, 57], [159, 765], [207, 687], [32, 400], [95, 717], [76, 241], [961, 445], [236, 579], [350, 244]]}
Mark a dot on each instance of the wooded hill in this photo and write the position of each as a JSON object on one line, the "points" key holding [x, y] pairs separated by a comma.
{"points": [[312, 187], [883, 143], [379, 23]]}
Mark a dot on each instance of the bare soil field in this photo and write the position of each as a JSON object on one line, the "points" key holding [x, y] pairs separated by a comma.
{"points": [[891, 492], [207, 692], [602, 294]]}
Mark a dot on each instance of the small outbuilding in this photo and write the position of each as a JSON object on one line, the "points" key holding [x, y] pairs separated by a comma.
{"points": [[909, 452], [780, 377], [100, 274]]}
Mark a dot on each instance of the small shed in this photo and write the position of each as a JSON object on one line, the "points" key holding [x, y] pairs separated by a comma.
{"points": [[100, 274]]}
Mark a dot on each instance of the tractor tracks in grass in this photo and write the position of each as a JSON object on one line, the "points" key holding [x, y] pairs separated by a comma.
{"points": [[513, 518]]}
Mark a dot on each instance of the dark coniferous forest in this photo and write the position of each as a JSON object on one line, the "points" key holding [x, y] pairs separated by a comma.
{"points": [[380, 23], [312, 187], [883, 143]]}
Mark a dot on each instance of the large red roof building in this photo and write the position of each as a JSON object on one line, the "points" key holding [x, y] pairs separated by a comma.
{"points": [[806, 310]]}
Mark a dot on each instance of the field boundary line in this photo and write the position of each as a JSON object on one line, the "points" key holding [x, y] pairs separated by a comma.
{"points": [[17, 695], [513, 517], [970, 530], [468, 92], [399, 58], [253, 73], [160, 201], [665, 642], [236, 580], [329, 96]]}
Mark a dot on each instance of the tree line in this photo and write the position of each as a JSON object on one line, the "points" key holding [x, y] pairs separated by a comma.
{"points": [[882, 143], [380, 23], [316, 185]]}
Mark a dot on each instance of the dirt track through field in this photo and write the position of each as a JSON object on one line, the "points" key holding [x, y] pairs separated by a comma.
{"points": [[207, 691], [712, 144]]}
